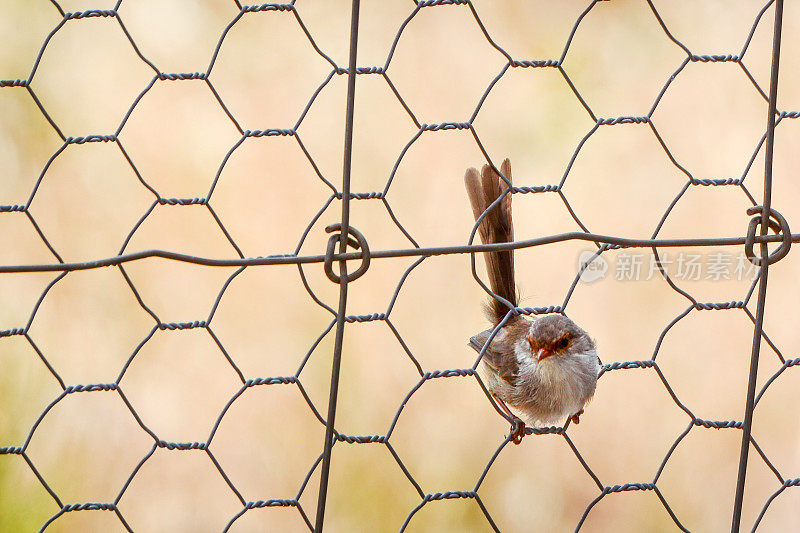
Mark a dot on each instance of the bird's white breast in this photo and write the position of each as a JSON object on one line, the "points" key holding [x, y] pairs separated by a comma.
{"points": [[555, 388]]}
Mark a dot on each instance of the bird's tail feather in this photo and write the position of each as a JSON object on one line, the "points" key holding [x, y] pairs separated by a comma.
{"points": [[497, 227]]}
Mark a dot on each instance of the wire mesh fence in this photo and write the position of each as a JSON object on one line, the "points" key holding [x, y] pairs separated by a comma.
{"points": [[333, 260]]}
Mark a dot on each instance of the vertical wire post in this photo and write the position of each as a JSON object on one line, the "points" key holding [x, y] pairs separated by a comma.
{"points": [[762, 287], [340, 317]]}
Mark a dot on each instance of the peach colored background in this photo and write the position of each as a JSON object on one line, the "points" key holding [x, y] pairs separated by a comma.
{"points": [[710, 118]]}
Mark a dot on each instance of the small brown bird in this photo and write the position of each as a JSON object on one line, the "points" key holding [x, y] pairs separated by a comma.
{"points": [[545, 368]]}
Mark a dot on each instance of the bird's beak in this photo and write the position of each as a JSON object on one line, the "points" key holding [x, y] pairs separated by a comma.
{"points": [[543, 354]]}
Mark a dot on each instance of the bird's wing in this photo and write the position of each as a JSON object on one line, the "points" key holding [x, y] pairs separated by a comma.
{"points": [[499, 355]]}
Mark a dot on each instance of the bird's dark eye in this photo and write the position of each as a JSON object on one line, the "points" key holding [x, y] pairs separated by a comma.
{"points": [[563, 343]]}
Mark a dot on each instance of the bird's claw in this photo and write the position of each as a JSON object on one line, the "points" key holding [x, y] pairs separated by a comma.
{"points": [[517, 430], [576, 418]]}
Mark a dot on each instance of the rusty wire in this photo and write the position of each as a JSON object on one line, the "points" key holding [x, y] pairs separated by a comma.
{"points": [[339, 319]]}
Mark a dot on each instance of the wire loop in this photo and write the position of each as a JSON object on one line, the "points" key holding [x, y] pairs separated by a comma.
{"points": [[359, 243], [777, 224]]}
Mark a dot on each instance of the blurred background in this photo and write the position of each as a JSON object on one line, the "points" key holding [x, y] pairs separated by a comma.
{"points": [[273, 195]]}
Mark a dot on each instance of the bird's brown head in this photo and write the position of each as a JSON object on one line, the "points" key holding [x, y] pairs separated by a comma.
{"points": [[557, 335]]}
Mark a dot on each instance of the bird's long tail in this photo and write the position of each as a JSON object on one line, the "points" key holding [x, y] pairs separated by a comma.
{"points": [[497, 227]]}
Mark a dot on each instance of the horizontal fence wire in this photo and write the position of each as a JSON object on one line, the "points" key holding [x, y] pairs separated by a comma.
{"points": [[609, 242], [340, 320]]}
